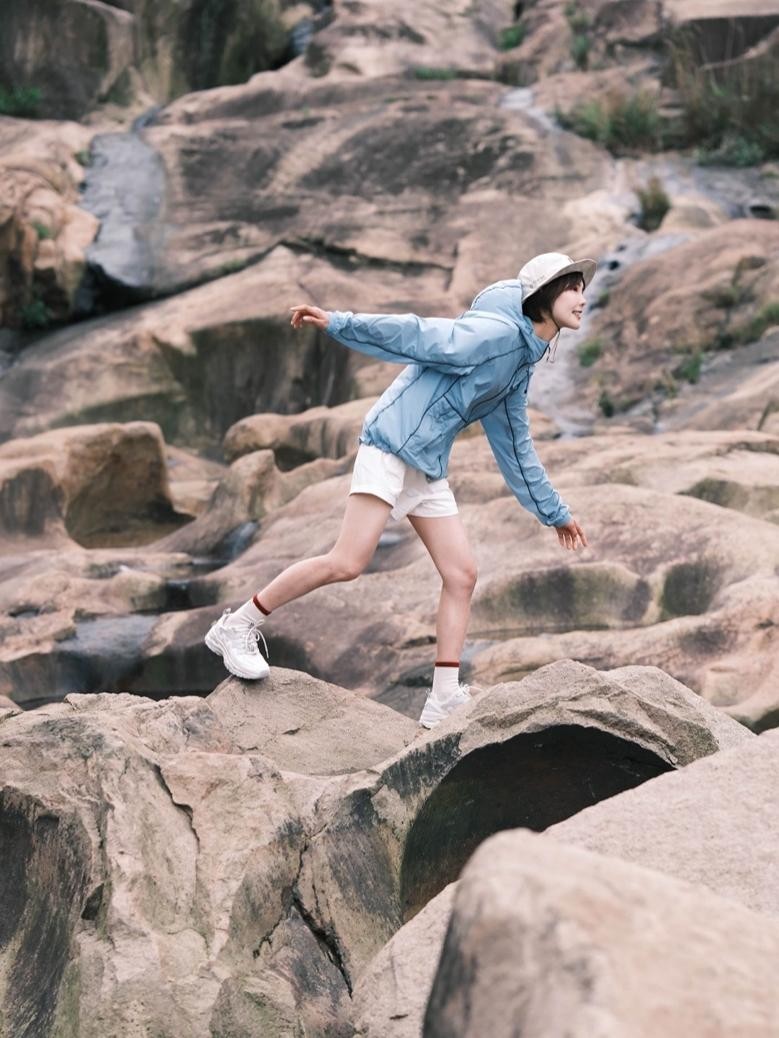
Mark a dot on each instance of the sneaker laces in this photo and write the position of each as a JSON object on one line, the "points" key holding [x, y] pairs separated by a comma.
{"points": [[250, 632]]}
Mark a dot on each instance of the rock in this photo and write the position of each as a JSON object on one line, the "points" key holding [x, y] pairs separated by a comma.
{"points": [[73, 52], [657, 318], [105, 484], [251, 488], [309, 726], [522, 754], [403, 37], [192, 480], [44, 234], [557, 955], [390, 998], [195, 363], [449, 212], [78, 54], [321, 432], [682, 824], [164, 861]]}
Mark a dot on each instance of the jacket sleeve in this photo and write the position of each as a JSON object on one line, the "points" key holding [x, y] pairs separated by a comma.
{"points": [[451, 346], [508, 430]]}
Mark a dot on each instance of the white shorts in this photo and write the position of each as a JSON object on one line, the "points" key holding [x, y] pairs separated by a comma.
{"points": [[405, 488]]}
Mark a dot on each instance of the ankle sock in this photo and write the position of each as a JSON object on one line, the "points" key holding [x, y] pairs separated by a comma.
{"points": [[446, 679], [251, 610]]}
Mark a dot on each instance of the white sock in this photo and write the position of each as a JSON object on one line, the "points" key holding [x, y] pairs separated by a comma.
{"points": [[446, 681], [248, 611]]}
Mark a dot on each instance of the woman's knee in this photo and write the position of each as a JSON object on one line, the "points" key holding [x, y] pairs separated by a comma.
{"points": [[462, 577], [344, 567]]}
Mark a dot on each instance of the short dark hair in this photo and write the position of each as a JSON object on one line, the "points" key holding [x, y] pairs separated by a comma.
{"points": [[539, 305]]}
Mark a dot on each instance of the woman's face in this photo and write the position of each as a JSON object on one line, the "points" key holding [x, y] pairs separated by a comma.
{"points": [[569, 306]]}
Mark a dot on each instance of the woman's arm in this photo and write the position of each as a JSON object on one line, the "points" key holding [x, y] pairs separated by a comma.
{"points": [[451, 346], [508, 430]]}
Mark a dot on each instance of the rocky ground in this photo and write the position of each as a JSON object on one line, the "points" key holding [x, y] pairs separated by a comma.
{"points": [[168, 444]]}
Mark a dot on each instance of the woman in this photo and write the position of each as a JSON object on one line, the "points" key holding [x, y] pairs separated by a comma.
{"points": [[475, 368]]}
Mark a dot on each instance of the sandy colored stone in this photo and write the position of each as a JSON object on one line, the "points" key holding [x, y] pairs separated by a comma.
{"points": [[171, 858], [104, 484], [682, 824], [320, 432], [540, 940], [44, 234], [524, 753], [657, 317], [390, 998], [309, 726]]}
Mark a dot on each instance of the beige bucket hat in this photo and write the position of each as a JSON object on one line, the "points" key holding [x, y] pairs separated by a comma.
{"points": [[542, 269]]}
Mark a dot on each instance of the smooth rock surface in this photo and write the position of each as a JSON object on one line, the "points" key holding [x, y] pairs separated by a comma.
{"points": [[540, 941]]}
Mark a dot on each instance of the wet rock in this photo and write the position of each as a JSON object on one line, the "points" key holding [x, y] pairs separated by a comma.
{"points": [[103, 484], [555, 954]]}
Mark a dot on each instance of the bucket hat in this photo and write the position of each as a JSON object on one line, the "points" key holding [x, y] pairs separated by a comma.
{"points": [[542, 269]]}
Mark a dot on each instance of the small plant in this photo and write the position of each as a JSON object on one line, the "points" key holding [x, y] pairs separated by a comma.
{"points": [[655, 203], [620, 123], [690, 368], [766, 317], [578, 20], [22, 102], [580, 50], [725, 297], [589, 352], [42, 230], [603, 299], [426, 72], [733, 151], [232, 266], [606, 404], [83, 157], [512, 36], [35, 315]]}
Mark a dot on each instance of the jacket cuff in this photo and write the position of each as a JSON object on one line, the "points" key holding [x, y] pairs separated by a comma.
{"points": [[338, 320]]}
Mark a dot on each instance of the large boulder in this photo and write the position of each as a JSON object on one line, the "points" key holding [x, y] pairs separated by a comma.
{"points": [[105, 484], [683, 823], [547, 940], [78, 54], [527, 754]]}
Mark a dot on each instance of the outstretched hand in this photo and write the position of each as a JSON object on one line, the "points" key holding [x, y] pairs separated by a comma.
{"points": [[306, 314], [570, 535]]}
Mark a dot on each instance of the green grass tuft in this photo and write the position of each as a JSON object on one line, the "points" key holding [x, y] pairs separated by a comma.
{"points": [[655, 203], [22, 102], [589, 352]]}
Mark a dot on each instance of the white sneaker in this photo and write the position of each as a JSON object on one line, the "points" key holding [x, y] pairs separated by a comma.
{"points": [[235, 640], [435, 711]]}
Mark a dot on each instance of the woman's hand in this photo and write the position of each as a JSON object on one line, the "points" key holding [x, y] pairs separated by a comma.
{"points": [[306, 314], [570, 535]]}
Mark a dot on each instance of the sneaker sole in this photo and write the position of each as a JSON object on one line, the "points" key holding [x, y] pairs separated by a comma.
{"points": [[214, 643]]}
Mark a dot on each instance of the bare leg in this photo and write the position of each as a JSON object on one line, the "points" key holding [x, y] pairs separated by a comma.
{"points": [[364, 519], [447, 543]]}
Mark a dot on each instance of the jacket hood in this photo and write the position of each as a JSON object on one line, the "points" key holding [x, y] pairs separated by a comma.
{"points": [[504, 298]]}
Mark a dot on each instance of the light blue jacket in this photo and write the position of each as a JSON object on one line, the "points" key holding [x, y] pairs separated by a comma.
{"points": [[475, 368]]}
